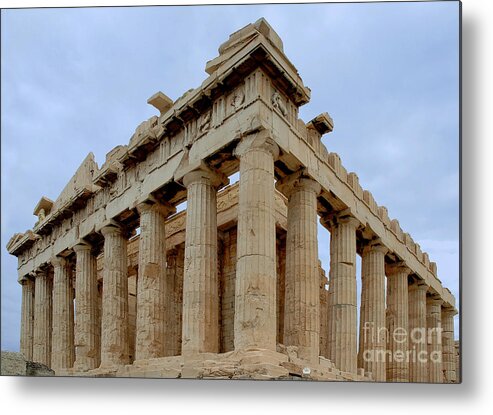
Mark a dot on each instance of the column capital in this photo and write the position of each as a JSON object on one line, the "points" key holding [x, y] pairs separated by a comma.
{"points": [[260, 140], [341, 217], [449, 311], [165, 209], [111, 228], [191, 172], [40, 273], [419, 286], [82, 247], [58, 261], [397, 268], [214, 177], [375, 245], [297, 181], [25, 279], [172, 253], [435, 301]]}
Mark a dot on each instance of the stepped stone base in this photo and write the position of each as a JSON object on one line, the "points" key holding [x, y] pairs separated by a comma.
{"points": [[257, 364], [14, 364]]}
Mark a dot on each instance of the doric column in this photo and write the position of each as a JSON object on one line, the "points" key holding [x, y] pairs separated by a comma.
{"points": [[62, 354], [255, 290], [151, 282], [342, 293], [114, 322], [448, 345], [417, 332], [324, 313], [27, 318], [200, 327], [398, 322], [373, 330], [87, 316], [174, 304], [42, 318], [434, 335], [281, 285], [302, 289]]}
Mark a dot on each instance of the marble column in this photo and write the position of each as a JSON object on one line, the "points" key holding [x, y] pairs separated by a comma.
{"points": [[200, 327], [342, 293], [174, 308], [448, 345], [114, 322], [27, 318], [302, 286], [434, 335], [42, 318], [398, 322], [373, 330], [417, 332], [62, 356], [324, 313], [281, 285], [255, 290], [87, 316], [151, 282]]}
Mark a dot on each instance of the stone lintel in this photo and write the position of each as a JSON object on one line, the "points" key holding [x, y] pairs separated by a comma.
{"points": [[45, 204], [161, 102], [322, 123]]}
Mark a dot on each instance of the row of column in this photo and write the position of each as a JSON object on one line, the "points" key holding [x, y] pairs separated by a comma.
{"points": [[255, 291]]}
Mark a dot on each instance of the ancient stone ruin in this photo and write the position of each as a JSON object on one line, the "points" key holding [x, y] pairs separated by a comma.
{"points": [[115, 282]]}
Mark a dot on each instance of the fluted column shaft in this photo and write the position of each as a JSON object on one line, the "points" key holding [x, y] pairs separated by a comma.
{"points": [[398, 323], [42, 318], [114, 322], [448, 345], [174, 309], [434, 334], [200, 327], [27, 318], [302, 289], [151, 283], [373, 330], [62, 356], [87, 316], [342, 294], [255, 289], [417, 333], [324, 313]]}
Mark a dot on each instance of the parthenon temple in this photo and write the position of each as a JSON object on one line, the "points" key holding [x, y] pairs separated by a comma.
{"points": [[117, 281]]}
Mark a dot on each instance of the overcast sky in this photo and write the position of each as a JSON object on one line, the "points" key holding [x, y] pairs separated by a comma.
{"points": [[77, 80]]}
